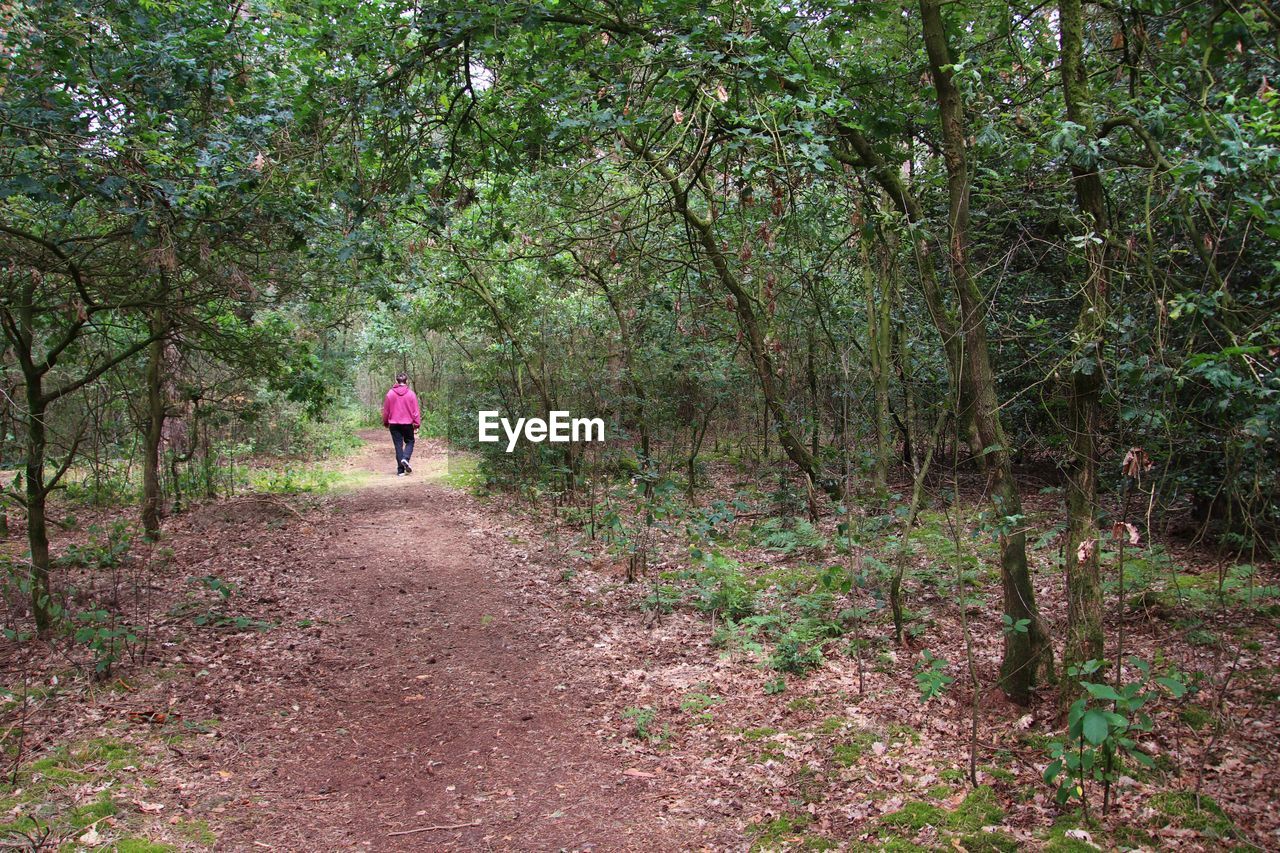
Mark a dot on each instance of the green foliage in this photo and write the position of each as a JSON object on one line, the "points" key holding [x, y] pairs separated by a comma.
{"points": [[294, 480], [101, 553], [214, 614], [103, 632], [663, 599], [797, 651], [931, 676], [1099, 739], [1009, 626], [787, 535], [642, 720], [723, 589], [699, 704], [1153, 580], [464, 474], [103, 488], [775, 686]]}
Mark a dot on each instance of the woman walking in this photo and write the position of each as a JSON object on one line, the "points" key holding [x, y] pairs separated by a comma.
{"points": [[400, 414]]}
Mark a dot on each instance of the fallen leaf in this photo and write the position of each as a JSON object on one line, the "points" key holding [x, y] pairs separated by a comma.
{"points": [[1080, 835]]}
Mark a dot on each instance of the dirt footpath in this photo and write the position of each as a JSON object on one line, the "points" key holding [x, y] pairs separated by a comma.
{"points": [[416, 696]]}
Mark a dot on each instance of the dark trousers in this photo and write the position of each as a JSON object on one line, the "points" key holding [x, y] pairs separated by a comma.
{"points": [[402, 438]]}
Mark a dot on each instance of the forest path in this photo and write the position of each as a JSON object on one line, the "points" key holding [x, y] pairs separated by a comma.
{"points": [[434, 696]]}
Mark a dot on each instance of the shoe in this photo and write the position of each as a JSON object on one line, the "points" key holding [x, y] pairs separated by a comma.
{"points": [[399, 473], [405, 464]]}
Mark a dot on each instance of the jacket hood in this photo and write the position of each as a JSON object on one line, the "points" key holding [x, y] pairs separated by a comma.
{"points": [[400, 389]]}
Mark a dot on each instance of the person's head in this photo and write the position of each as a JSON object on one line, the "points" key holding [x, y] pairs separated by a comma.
{"points": [[402, 379]]}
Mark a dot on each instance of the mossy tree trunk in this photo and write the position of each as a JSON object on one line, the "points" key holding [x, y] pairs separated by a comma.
{"points": [[1027, 652], [1084, 385]]}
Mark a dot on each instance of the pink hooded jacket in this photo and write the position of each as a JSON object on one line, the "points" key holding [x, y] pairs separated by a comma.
{"points": [[401, 407]]}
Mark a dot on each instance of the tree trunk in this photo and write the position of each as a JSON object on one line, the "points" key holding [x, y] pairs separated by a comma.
{"points": [[154, 434], [1084, 587], [1027, 653], [37, 520], [905, 376], [876, 293], [815, 413]]}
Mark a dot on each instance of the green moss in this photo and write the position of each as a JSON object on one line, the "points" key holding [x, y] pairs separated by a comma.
{"points": [[939, 792], [197, 831], [1195, 717], [916, 816], [114, 754], [82, 816], [202, 727], [44, 802], [1133, 837], [1123, 837], [849, 752], [698, 703], [979, 809], [52, 771], [999, 774], [952, 774], [23, 825], [758, 733], [831, 725], [786, 829], [898, 731], [891, 843], [811, 785], [1058, 842], [802, 703], [1209, 818], [990, 842], [138, 845], [1036, 741]]}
